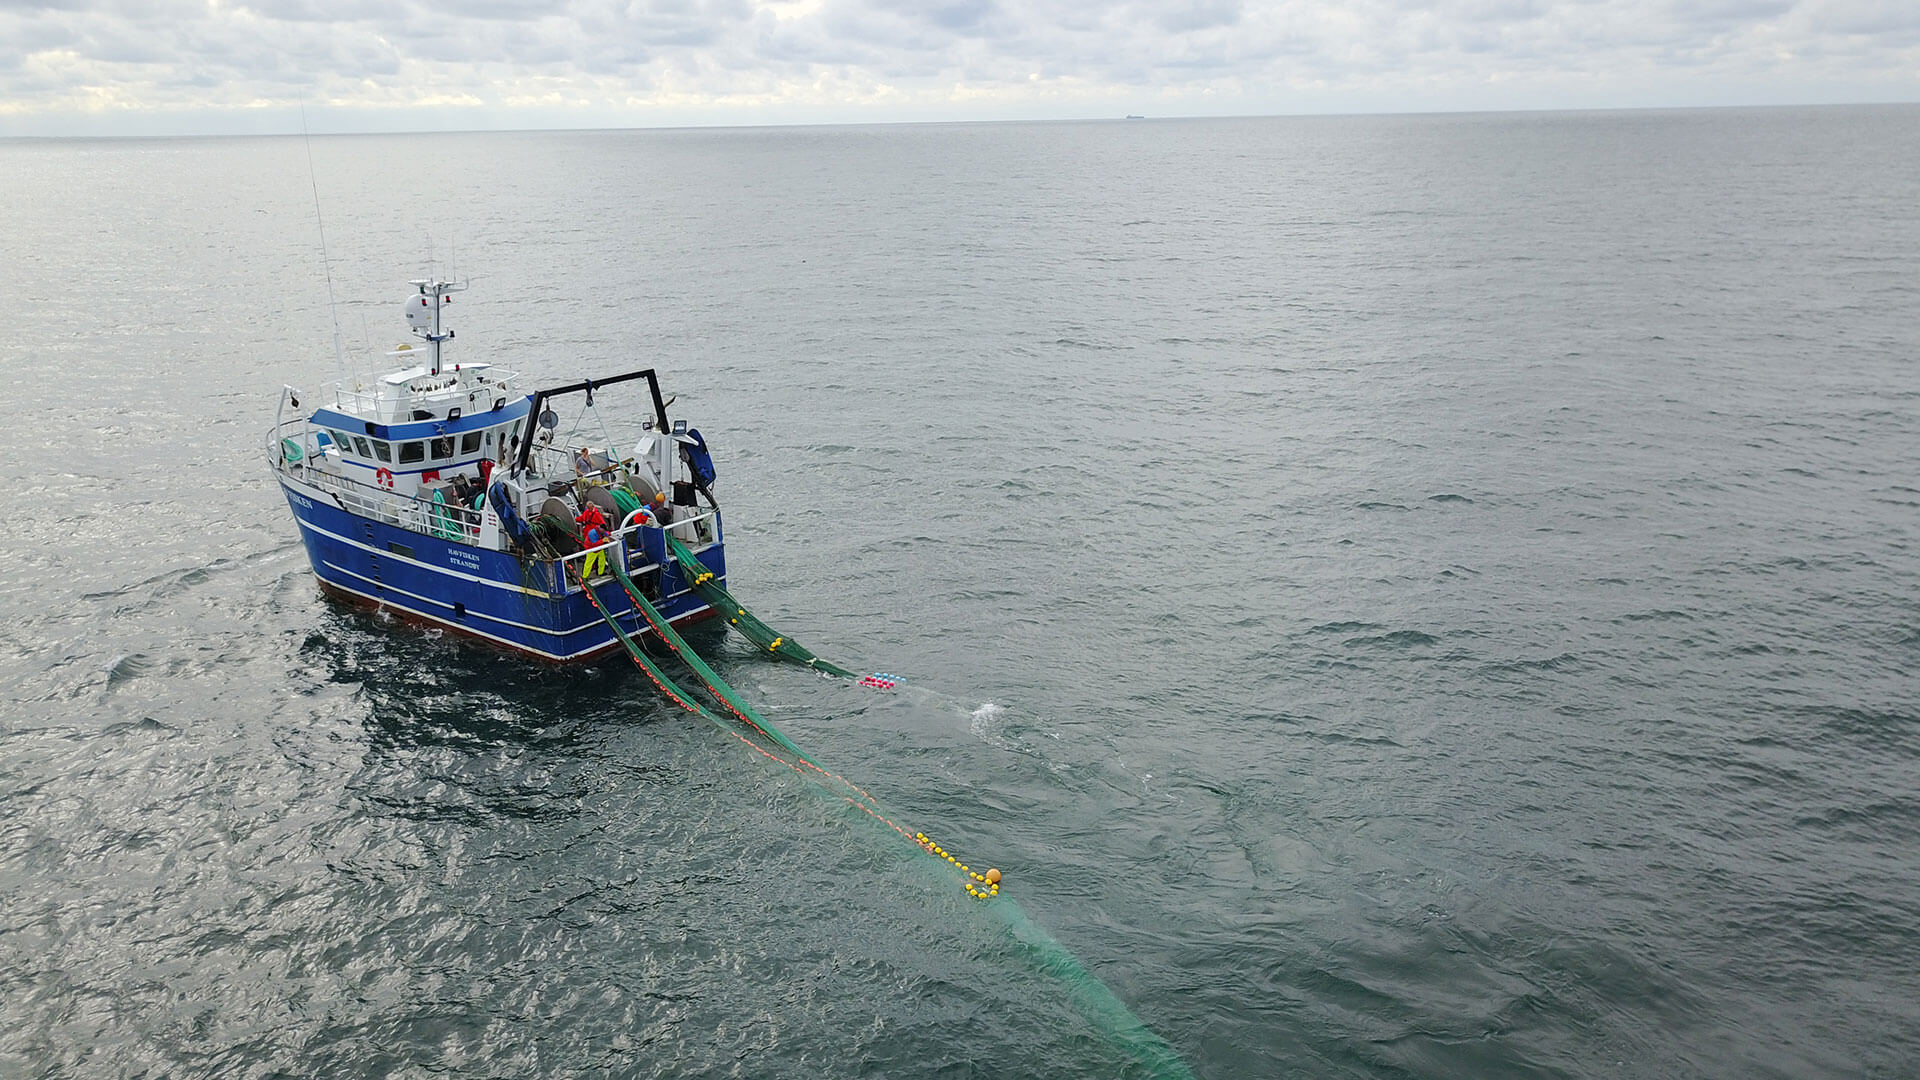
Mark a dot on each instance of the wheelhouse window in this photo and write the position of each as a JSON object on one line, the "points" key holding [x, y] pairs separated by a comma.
{"points": [[442, 449], [412, 452], [470, 443], [380, 450], [360, 443]]}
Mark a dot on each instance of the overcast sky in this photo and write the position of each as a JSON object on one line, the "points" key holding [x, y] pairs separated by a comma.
{"points": [[185, 66]]}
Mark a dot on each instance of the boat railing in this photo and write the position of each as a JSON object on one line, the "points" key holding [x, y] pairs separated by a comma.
{"points": [[295, 454], [368, 392], [624, 545], [292, 445], [355, 402], [555, 462], [445, 520], [293, 448]]}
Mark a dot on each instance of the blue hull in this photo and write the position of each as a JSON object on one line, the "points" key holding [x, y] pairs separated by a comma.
{"points": [[489, 595]]}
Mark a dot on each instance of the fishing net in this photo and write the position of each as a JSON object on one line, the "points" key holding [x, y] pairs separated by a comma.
{"points": [[1151, 1055], [708, 588]]}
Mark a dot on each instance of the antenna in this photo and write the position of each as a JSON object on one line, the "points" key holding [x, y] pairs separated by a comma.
{"points": [[333, 310]]}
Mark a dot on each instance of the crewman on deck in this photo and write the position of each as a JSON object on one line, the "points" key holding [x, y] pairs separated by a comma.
{"points": [[593, 533], [590, 515], [662, 513], [594, 564]]}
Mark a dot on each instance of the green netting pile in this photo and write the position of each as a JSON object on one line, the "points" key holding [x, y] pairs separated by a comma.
{"points": [[626, 500]]}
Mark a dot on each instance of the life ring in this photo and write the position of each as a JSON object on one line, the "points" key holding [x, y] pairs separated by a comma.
{"points": [[385, 476]]}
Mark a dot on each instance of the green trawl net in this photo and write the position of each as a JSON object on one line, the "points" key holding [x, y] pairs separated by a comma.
{"points": [[1152, 1057], [709, 589]]}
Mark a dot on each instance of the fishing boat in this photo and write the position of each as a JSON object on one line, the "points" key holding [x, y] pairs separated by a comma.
{"points": [[444, 493]]}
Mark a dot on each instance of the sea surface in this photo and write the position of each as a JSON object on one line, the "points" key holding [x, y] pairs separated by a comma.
{"points": [[1426, 597]]}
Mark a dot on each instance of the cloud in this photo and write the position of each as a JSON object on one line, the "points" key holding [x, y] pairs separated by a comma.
{"points": [[634, 59]]}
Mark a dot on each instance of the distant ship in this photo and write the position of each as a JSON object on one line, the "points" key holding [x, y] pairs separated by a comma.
{"points": [[1135, 116], [443, 493]]}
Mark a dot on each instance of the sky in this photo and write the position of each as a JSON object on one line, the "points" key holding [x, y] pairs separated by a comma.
{"points": [[167, 67]]}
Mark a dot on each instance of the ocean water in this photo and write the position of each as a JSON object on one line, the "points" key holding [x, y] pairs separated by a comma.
{"points": [[1398, 597]]}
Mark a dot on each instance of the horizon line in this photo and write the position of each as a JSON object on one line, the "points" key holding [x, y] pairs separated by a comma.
{"points": [[1117, 119]]}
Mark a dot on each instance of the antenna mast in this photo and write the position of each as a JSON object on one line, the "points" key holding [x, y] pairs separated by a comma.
{"points": [[424, 316], [333, 310]]}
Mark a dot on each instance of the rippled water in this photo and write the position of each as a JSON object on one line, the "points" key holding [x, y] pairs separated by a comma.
{"points": [[1398, 596]]}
